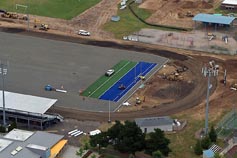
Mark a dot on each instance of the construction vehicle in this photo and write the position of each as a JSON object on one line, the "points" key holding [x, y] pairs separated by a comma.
{"points": [[44, 27], [138, 100], [9, 15], [24, 17], [210, 36], [234, 87], [189, 14], [41, 26]]}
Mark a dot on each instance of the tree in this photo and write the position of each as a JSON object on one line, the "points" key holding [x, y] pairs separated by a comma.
{"points": [[217, 155], [80, 152], [114, 131], [129, 139], [157, 154], [198, 148], [213, 135], [206, 142], [157, 141], [100, 140]]}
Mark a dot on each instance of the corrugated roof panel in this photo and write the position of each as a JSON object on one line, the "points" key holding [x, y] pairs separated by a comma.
{"points": [[213, 19]]}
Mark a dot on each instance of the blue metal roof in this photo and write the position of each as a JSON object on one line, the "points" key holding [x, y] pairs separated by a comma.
{"points": [[213, 19], [208, 153]]}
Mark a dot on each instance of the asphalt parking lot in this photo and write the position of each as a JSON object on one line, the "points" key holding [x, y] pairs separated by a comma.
{"points": [[35, 62]]}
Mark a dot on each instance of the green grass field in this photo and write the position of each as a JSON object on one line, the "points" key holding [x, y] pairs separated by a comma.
{"points": [[64, 9], [128, 22], [104, 82]]}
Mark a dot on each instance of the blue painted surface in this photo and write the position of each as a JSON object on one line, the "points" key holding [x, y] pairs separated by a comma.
{"points": [[209, 18], [128, 80]]}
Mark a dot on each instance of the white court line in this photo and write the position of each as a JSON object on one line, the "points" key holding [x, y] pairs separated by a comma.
{"points": [[136, 82], [117, 81], [108, 79]]}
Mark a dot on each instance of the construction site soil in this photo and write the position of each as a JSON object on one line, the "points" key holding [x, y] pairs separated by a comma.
{"points": [[162, 96]]}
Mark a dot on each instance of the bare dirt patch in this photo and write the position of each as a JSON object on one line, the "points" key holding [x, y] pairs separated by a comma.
{"points": [[160, 90], [173, 12]]}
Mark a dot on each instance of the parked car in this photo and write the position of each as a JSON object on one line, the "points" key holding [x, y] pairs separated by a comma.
{"points": [[84, 33], [109, 72]]}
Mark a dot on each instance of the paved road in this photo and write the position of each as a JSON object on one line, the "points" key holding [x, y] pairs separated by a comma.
{"points": [[35, 62]]}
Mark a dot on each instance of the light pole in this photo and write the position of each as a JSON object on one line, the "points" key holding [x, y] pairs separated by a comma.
{"points": [[109, 113], [208, 72], [3, 72]]}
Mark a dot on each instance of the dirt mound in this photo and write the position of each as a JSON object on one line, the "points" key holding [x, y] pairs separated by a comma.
{"points": [[197, 4]]}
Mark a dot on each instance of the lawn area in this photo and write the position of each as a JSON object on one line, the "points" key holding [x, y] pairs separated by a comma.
{"points": [[128, 22], [64, 9], [183, 142]]}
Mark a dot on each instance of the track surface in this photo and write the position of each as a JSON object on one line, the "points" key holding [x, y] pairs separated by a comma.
{"points": [[191, 100], [36, 62]]}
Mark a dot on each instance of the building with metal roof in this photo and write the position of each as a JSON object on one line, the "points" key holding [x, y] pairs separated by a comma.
{"points": [[148, 125], [29, 103], [229, 4], [213, 19], [20, 143], [28, 109]]}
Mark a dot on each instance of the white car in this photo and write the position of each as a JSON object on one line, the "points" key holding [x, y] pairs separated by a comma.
{"points": [[84, 33], [109, 72]]}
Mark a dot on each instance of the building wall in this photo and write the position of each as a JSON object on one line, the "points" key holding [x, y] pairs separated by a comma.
{"points": [[151, 128], [228, 6]]}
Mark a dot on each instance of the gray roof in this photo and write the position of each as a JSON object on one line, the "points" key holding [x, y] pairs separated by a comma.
{"points": [[38, 138], [48, 140], [154, 121], [215, 19]]}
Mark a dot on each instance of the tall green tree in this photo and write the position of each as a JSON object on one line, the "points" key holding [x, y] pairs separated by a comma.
{"points": [[157, 141], [157, 154], [198, 148], [129, 139], [100, 140], [212, 134], [206, 142]]}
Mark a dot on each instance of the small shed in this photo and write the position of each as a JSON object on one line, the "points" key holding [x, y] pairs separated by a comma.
{"points": [[208, 154], [229, 4], [115, 18], [148, 125]]}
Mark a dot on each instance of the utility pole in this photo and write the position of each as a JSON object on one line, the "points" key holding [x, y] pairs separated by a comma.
{"points": [[3, 72], [208, 72]]}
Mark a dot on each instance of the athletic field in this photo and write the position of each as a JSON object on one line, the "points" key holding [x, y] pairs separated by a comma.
{"points": [[63, 9], [127, 73]]}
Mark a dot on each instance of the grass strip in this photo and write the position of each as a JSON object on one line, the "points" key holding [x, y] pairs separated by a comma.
{"points": [[103, 79]]}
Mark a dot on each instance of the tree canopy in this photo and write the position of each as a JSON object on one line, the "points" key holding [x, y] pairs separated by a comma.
{"points": [[157, 141], [213, 135], [129, 138]]}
